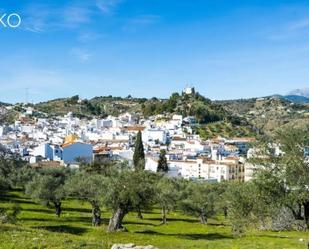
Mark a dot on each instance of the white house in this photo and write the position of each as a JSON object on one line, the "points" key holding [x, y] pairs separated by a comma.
{"points": [[106, 123], [189, 90], [154, 135], [29, 110], [177, 117], [201, 168], [250, 169], [152, 165], [48, 151], [43, 150]]}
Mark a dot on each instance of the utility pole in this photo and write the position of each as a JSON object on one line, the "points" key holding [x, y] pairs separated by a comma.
{"points": [[26, 95]]}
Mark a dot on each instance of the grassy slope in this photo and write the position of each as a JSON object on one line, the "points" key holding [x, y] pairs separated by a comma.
{"points": [[225, 129], [107, 105], [38, 227]]}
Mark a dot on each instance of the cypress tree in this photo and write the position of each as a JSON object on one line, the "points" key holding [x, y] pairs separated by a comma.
{"points": [[162, 164], [139, 154]]}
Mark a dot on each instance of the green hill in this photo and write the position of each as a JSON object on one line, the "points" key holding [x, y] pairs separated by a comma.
{"points": [[204, 110], [243, 117], [212, 118], [98, 106], [268, 114]]}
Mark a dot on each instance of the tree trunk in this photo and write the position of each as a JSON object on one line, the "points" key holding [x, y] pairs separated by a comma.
{"points": [[115, 223], [139, 213], [58, 208], [96, 214], [163, 215], [203, 218], [298, 212], [306, 213], [225, 212]]}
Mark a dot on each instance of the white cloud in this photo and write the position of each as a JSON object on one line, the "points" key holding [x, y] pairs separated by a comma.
{"points": [[80, 54], [45, 17], [88, 36], [36, 17], [288, 30], [145, 19], [141, 21], [75, 15], [300, 24], [34, 29], [107, 6], [42, 17]]}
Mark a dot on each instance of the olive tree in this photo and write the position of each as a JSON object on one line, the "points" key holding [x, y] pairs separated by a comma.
{"points": [[90, 188], [283, 180], [47, 187], [10, 165], [243, 205], [198, 199], [127, 191], [167, 195]]}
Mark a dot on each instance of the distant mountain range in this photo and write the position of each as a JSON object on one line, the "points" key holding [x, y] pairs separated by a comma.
{"points": [[297, 99], [300, 92], [298, 96]]}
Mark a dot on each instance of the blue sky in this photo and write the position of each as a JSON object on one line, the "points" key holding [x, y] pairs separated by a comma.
{"points": [[225, 48]]}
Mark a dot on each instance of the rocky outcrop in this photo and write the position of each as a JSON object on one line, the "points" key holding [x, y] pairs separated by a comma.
{"points": [[131, 246]]}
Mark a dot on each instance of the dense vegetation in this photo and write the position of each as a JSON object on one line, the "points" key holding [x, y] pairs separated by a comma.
{"points": [[98, 106], [80, 108], [204, 110]]}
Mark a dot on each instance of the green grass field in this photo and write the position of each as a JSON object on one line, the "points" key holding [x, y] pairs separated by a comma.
{"points": [[37, 227]]}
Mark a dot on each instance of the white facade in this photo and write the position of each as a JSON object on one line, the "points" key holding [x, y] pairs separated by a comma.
{"points": [[177, 117], [197, 169], [154, 135], [189, 90], [151, 164], [48, 152], [250, 169]]}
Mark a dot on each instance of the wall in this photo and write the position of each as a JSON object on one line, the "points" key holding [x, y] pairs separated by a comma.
{"points": [[77, 150]]}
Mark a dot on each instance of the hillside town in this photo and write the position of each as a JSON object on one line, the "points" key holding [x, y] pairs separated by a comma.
{"points": [[70, 141], [154, 124]]}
